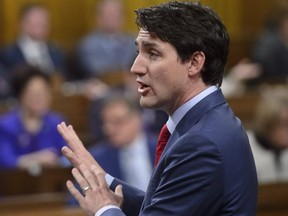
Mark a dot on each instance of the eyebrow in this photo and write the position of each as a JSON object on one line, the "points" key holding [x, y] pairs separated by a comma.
{"points": [[147, 44]]}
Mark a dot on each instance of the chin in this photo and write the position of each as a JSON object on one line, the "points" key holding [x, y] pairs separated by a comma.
{"points": [[149, 104], [146, 103]]}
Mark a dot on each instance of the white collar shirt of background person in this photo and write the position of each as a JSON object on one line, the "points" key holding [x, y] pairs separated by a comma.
{"points": [[172, 122], [36, 53], [269, 170], [132, 158]]}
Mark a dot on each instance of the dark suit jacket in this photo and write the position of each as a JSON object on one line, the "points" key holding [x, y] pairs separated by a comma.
{"points": [[206, 169], [12, 56], [109, 157]]}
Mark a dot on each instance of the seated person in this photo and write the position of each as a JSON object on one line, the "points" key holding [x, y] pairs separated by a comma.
{"points": [[4, 84], [108, 48], [128, 145], [28, 134], [269, 136], [236, 81], [270, 49], [32, 46], [128, 152], [152, 119]]}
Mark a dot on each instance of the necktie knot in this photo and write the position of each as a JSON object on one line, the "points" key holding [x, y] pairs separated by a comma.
{"points": [[162, 141]]}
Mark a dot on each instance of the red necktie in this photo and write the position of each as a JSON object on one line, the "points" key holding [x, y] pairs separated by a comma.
{"points": [[162, 141]]}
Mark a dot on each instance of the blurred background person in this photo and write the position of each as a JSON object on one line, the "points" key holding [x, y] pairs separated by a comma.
{"points": [[128, 150], [108, 48], [271, 50], [32, 46], [235, 81], [5, 91], [152, 119], [28, 134], [108, 52], [268, 61], [269, 136]]}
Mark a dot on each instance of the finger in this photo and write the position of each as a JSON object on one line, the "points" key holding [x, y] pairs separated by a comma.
{"points": [[64, 132], [73, 133], [100, 175], [90, 178], [71, 156], [62, 129], [80, 179], [69, 136], [75, 193], [77, 153]]}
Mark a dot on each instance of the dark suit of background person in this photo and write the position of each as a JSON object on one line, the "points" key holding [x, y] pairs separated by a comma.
{"points": [[109, 158], [32, 45], [12, 56], [128, 149], [270, 49], [4, 84]]}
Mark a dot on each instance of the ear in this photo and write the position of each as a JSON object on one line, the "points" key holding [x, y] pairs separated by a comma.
{"points": [[196, 63]]}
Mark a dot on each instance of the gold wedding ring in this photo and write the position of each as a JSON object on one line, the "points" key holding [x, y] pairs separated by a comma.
{"points": [[85, 189]]}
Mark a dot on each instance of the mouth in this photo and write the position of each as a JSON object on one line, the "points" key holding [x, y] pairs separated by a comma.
{"points": [[143, 88]]}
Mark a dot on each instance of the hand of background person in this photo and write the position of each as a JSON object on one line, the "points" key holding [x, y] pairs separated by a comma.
{"points": [[46, 157], [97, 193], [245, 70]]}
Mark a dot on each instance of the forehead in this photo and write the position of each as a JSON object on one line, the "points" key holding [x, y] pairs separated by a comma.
{"points": [[145, 38]]}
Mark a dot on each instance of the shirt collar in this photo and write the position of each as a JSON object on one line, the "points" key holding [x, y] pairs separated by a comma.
{"points": [[175, 118]]}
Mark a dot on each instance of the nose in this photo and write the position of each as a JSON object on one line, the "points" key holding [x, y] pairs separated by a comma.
{"points": [[138, 67]]}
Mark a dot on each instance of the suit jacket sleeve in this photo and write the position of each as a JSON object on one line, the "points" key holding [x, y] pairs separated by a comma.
{"points": [[133, 198]]}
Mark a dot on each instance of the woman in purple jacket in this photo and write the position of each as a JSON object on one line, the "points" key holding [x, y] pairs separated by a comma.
{"points": [[28, 135]]}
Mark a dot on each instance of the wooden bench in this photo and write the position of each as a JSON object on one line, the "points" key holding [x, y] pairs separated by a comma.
{"points": [[273, 200], [44, 204], [20, 182], [244, 107]]}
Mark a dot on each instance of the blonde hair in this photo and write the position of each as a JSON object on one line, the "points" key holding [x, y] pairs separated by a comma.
{"points": [[273, 101]]}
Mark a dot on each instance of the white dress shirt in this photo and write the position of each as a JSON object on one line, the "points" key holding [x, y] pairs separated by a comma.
{"points": [[36, 53]]}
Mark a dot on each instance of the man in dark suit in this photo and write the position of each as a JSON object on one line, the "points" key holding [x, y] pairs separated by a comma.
{"points": [[128, 149], [207, 167], [128, 145], [31, 46]]}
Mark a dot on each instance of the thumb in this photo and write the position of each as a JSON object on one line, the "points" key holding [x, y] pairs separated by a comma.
{"points": [[119, 195], [118, 191]]}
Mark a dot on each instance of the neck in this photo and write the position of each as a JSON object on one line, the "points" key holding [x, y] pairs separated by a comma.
{"points": [[31, 122]]}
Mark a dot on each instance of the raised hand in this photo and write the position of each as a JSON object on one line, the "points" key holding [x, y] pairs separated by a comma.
{"points": [[96, 193], [76, 153]]}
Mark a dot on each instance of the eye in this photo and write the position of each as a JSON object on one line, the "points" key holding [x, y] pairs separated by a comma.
{"points": [[153, 54]]}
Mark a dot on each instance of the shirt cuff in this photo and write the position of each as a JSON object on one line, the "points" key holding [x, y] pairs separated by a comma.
{"points": [[103, 209], [109, 179]]}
